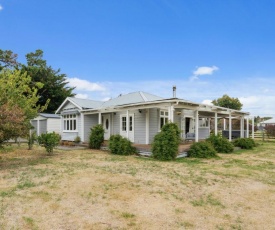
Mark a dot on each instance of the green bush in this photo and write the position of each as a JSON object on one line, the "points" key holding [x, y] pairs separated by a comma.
{"points": [[202, 150], [49, 141], [77, 139], [96, 137], [166, 143], [244, 143], [120, 145], [220, 143]]}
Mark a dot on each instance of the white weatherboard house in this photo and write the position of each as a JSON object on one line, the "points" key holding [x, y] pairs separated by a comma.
{"points": [[46, 122], [139, 116], [268, 122]]}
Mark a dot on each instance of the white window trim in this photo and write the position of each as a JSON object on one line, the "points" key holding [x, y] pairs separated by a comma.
{"points": [[165, 115], [73, 118], [127, 125]]}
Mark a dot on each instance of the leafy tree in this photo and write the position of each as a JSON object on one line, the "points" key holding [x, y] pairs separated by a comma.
{"points": [[11, 122], [228, 102], [8, 59], [16, 90], [18, 103], [54, 83]]}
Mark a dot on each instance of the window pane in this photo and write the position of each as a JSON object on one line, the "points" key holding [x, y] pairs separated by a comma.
{"points": [[68, 125], [130, 123], [65, 127], [161, 113], [74, 125], [161, 122], [166, 113], [166, 120], [123, 124]]}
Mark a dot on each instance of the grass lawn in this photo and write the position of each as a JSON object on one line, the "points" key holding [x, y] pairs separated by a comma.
{"points": [[88, 189]]}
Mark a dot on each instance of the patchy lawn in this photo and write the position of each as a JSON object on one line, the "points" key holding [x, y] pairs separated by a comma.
{"points": [[87, 189]]}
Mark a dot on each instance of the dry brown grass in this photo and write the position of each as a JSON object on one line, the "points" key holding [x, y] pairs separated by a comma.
{"points": [[87, 189]]}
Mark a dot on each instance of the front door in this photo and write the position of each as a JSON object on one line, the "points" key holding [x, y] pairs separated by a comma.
{"points": [[106, 125], [124, 127]]}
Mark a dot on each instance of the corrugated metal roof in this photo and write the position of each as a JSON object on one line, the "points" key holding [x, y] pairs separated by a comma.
{"points": [[269, 121], [86, 103], [130, 98], [49, 115]]}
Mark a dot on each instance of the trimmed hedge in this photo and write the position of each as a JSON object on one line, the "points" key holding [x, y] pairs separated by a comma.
{"points": [[120, 145], [220, 143], [165, 144], [202, 150], [244, 143]]}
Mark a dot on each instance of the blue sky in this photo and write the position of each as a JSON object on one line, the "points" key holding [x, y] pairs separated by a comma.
{"points": [[107, 47]]}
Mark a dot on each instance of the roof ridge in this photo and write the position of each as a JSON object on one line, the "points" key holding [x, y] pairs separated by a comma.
{"points": [[143, 96]]}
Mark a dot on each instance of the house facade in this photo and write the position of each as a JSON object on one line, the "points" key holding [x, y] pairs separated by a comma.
{"points": [[139, 116], [46, 122]]}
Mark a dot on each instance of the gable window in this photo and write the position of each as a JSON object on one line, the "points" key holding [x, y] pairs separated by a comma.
{"points": [[163, 116], [69, 122]]}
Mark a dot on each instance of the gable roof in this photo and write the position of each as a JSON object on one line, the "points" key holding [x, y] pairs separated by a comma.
{"points": [[131, 98], [49, 115], [86, 103], [269, 121]]}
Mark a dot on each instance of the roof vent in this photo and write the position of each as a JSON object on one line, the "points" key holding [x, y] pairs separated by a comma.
{"points": [[174, 91]]}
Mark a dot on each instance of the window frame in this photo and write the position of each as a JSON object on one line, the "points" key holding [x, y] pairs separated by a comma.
{"points": [[69, 123], [163, 118]]}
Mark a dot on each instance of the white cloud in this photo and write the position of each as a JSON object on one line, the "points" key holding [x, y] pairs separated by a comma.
{"points": [[203, 70], [207, 102], [1, 7], [84, 85], [81, 96]]}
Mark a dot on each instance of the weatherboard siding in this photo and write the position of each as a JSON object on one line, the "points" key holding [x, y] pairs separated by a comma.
{"points": [[139, 126], [89, 121], [204, 132], [42, 126], [153, 124], [116, 123], [53, 125], [68, 106]]}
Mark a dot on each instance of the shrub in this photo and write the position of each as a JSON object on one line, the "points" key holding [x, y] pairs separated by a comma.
{"points": [[77, 139], [202, 150], [244, 143], [49, 141], [120, 145], [165, 144], [270, 130], [220, 143], [96, 137]]}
